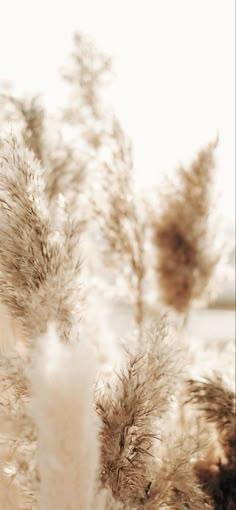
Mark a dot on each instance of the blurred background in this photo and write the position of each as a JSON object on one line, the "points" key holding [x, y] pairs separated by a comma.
{"points": [[174, 79]]}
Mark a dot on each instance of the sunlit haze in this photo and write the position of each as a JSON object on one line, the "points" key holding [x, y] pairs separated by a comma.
{"points": [[174, 71]]}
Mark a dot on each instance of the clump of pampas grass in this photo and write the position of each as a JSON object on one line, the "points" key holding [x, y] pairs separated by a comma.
{"points": [[141, 465], [38, 261], [215, 403], [73, 433], [185, 235], [120, 221]]}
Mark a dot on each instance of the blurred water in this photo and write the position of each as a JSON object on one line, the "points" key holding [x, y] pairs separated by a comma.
{"points": [[212, 324]]}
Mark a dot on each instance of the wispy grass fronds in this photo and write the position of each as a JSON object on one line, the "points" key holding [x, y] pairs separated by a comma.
{"points": [[88, 71], [39, 264], [131, 414], [217, 403], [64, 166], [184, 235], [175, 485], [120, 220], [217, 470], [66, 174], [17, 433], [31, 116]]}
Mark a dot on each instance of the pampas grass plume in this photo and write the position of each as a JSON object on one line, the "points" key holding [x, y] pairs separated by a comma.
{"points": [[62, 406]]}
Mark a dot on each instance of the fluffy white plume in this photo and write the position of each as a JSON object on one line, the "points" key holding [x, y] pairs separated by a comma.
{"points": [[62, 406]]}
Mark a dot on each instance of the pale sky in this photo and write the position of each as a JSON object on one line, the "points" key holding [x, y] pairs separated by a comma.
{"points": [[174, 65]]}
